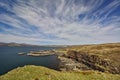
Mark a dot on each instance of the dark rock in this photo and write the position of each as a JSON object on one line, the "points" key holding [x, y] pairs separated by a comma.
{"points": [[94, 61]]}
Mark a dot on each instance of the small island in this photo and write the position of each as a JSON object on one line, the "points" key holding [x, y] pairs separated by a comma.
{"points": [[41, 53], [21, 53], [45, 53]]}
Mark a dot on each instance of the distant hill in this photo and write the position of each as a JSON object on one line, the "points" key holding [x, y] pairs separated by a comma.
{"points": [[24, 44], [16, 44]]}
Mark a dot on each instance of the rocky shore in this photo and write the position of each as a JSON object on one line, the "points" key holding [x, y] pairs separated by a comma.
{"points": [[41, 53], [67, 64], [45, 53], [75, 61], [94, 62]]}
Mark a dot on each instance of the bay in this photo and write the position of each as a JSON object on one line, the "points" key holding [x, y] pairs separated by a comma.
{"points": [[9, 58]]}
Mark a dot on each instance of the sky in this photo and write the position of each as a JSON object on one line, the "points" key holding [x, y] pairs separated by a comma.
{"points": [[64, 22]]}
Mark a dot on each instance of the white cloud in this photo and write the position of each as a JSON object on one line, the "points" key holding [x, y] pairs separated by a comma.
{"points": [[57, 21]]}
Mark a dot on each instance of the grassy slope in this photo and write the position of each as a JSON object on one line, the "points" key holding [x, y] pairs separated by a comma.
{"points": [[42, 73], [110, 51]]}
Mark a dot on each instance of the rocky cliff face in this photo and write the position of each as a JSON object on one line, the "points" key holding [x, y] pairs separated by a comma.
{"points": [[94, 61], [68, 64]]}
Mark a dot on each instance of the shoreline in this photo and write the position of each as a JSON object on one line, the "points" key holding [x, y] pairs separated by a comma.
{"points": [[71, 60], [41, 53], [45, 53], [65, 64]]}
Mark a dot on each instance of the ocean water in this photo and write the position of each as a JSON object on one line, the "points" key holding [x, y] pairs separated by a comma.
{"points": [[9, 58]]}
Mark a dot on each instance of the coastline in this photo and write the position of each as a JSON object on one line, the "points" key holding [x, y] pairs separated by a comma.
{"points": [[102, 57], [65, 64], [45, 53], [75, 61]]}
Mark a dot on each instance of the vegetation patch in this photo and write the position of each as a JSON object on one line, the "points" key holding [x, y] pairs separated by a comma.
{"points": [[41, 73]]}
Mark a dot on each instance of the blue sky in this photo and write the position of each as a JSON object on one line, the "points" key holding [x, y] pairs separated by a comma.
{"points": [[60, 21]]}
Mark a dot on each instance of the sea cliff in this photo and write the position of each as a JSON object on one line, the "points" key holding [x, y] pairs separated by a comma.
{"points": [[101, 57]]}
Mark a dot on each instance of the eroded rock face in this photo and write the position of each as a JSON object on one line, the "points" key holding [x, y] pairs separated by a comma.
{"points": [[72, 54], [94, 61], [68, 64]]}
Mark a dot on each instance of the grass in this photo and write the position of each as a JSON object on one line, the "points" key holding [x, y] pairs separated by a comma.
{"points": [[109, 51], [41, 73]]}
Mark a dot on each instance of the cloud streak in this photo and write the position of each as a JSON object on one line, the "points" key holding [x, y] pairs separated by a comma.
{"points": [[60, 21]]}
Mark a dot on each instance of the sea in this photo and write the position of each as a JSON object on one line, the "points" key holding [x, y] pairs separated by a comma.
{"points": [[10, 59]]}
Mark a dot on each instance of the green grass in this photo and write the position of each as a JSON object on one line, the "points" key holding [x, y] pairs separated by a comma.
{"points": [[42, 73]]}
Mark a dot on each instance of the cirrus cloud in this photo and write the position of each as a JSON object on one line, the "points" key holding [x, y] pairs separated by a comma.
{"points": [[60, 21]]}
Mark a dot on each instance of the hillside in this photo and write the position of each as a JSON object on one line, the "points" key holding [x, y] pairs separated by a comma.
{"points": [[42, 73], [15, 44], [109, 51], [102, 57], [25, 44]]}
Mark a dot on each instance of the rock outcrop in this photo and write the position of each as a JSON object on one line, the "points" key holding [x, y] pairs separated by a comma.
{"points": [[94, 61], [68, 64], [75, 60]]}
